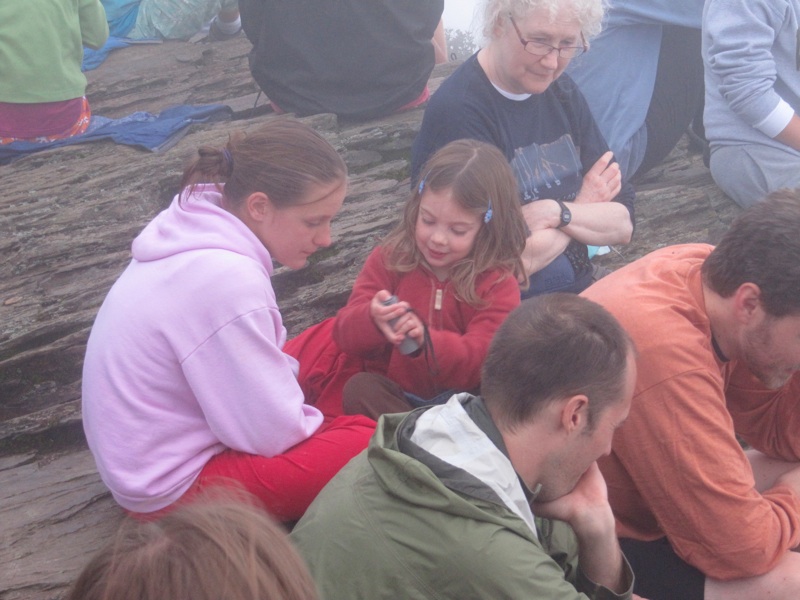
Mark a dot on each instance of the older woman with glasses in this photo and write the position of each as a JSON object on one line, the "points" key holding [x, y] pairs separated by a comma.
{"points": [[514, 94]]}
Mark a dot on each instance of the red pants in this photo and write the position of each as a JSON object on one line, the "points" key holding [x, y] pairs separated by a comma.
{"points": [[289, 482], [78, 127], [324, 368]]}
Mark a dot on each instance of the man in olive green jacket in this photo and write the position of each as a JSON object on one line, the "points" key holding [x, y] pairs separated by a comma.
{"points": [[496, 496]]}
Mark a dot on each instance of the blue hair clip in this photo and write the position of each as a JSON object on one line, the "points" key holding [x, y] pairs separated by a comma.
{"points": [[228, 157], [487, 216], [422, 184]]}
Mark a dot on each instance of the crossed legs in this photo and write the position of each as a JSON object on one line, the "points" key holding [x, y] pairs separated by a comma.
{"points": [[782, 582]]}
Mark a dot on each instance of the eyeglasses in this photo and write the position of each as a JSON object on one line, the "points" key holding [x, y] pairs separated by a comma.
{"points": [[542, 49]]}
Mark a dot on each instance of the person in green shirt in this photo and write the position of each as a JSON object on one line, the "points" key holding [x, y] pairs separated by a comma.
{"points": [[41, 84]]}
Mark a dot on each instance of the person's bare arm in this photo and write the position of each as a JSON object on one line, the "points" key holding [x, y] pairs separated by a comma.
{"points": [[768, 471], [596, 223], [596, 219], [600, 224], [439, 44], [791, 133], [546, 242]]}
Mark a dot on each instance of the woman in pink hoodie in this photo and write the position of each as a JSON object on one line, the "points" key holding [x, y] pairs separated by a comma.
{"points": [[185, 382]]}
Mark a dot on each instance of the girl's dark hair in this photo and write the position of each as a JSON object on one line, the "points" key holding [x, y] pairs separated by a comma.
{"points": [[206, 550], [281, 158], [478, 174]]}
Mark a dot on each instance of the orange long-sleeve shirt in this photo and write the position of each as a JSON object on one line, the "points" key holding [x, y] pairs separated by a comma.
{"points": [[676, 467]]}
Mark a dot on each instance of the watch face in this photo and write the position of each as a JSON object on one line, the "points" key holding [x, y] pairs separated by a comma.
{"points": [[566, 215]]}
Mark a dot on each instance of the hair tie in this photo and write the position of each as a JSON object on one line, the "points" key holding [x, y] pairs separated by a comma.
{"points": [[487, 216], [228, 157]]}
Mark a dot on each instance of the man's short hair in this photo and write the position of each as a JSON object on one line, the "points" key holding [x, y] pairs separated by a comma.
{"points": [[762, 247], [553, 347]]}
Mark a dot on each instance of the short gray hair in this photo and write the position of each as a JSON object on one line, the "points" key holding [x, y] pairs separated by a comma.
{"points": [[588, 13]]}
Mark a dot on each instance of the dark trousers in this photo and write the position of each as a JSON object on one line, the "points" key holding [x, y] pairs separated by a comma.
{"points": [[677, 95], [660, 573]]}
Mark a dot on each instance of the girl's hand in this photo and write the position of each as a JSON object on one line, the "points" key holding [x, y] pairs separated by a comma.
{"points": [[602, 182], [407, 322]]}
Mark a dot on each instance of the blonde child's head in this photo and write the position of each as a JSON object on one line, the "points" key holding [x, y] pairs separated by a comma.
{"points": [[206, 550], [481, 182]]}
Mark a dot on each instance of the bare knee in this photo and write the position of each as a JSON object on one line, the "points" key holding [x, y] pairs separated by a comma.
{"points": [[767, 470], [782, 583]]}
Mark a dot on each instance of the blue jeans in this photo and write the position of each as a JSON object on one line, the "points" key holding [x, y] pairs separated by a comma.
{"points": [[441, 398], [558, 276]]}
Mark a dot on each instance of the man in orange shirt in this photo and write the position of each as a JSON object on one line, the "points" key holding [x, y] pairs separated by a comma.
{"points": [[718, 333]]}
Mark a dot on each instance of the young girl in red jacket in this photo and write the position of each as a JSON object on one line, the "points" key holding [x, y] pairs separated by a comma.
{"points": [[425, 306]]}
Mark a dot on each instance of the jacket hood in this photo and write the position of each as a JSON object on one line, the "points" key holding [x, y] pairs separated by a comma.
{"points": [[199, 222], [432, 484]]}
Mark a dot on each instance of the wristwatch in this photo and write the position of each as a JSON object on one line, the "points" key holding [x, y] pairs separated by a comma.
{"points": [[566, 215]]}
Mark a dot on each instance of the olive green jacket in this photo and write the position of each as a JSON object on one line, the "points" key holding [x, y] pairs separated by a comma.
{"points": [[397, 522]]}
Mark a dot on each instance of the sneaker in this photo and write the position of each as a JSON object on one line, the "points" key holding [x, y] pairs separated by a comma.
{"points": [[599, 271], [215, 35], [698, 142]]}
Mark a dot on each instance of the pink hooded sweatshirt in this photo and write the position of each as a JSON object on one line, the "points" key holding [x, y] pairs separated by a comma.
{"points": [[184, 359]]}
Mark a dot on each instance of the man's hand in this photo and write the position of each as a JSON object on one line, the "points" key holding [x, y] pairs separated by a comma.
{"points": [[602, 182], [588, 512], [586, 507]]}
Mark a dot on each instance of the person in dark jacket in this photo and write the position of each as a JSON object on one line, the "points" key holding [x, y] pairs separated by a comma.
{"points": [[358, 59]]}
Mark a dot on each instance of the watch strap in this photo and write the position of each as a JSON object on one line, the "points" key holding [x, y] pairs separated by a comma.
{"points": [[566, 215]]}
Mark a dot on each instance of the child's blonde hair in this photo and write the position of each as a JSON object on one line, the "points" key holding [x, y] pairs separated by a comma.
{"points": [[480, 180], [206, 550]]}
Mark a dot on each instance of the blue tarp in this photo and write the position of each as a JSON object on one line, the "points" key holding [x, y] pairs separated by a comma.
{"points": [[94, 58], [145, 130]]}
